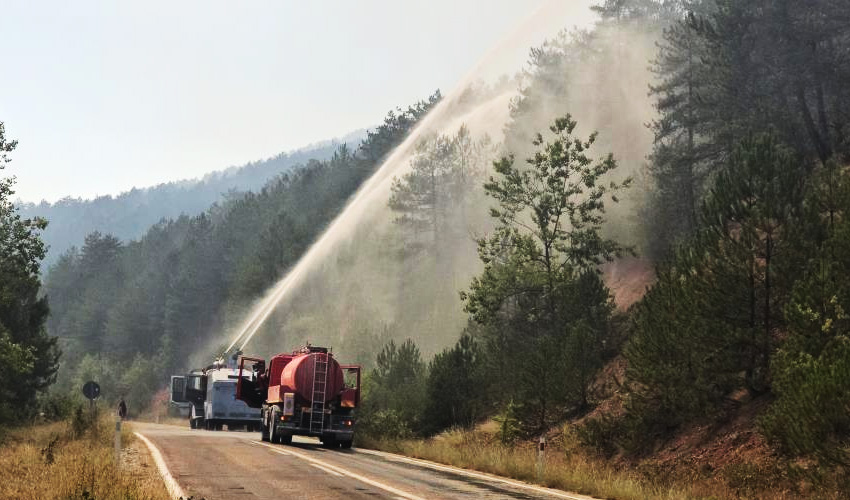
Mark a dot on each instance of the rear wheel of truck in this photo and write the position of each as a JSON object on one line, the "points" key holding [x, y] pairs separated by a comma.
{"points": [[345, 444], [329, 442], [264, 431], [274, 436], [286, 439]]}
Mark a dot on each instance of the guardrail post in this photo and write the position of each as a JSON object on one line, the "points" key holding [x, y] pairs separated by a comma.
{"points": [[541, 458], [117, 441]]}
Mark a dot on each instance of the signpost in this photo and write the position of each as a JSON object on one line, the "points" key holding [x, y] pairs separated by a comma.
{"points": [[91, 390]]}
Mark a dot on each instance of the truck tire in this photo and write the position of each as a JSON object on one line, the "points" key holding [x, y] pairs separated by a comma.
{"points": [[329, 442], [264, 431], [273, 434], [345, 444], [286, 439], [194, 423]]}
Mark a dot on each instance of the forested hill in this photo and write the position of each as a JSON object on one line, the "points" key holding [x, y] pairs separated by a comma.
{"points": [[126, 313], [129, 214]]}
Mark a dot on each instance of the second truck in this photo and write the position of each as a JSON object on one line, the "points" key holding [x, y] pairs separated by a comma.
{"points": [[303, 393]]}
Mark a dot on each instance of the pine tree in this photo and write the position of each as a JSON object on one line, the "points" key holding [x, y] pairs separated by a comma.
{"points": [[454, 387], [681, 158], [812, 365], [29, 356], [716, 309]]}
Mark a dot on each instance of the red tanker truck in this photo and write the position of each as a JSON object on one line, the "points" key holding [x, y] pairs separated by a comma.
{"points": [[305, 393]]}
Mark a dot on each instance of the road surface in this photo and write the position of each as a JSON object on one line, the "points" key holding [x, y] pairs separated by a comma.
{"points": [[237, 465]]}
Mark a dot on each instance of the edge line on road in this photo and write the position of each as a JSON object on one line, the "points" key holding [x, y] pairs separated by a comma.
{"points": [[344, 472], [329, 471], [171, 485], [477, 475]]}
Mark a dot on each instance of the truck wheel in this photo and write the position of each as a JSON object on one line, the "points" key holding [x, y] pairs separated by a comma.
{"points": [[273, 434], [264, 432], [193, 424], [286, 439], [329, 442], [345, 444]]}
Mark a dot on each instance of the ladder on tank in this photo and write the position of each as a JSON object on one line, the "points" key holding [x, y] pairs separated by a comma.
{"points": [[320, 382]]}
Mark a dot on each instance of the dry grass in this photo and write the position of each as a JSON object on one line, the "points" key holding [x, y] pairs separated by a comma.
{"points": [[569, 468], [75, 466]]}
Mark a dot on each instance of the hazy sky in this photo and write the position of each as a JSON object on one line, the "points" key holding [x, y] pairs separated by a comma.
{"points": [[106, 95]]}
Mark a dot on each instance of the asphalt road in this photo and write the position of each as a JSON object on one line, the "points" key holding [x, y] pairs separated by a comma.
{"points": [[237, 465]]}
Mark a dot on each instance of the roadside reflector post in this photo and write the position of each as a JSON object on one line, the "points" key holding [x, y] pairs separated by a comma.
{"points": [[541, 458], [117, 441]]}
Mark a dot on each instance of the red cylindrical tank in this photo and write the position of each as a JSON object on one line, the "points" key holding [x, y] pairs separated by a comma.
{"points": [[297, 375]]}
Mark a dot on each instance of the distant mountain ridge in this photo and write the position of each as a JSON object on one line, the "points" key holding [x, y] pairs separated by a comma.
{"points": [[129, 214]]}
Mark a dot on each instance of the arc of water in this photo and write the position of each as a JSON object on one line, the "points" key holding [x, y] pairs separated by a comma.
{"points": [[388, 168]]}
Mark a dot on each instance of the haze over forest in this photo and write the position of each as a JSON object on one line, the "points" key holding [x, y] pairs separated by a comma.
{"points": [[636, 241]]}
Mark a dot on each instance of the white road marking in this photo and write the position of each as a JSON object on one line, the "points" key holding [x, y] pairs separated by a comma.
{"points": [[171, 485], [322, 467], [363, 479], [476, 475]]}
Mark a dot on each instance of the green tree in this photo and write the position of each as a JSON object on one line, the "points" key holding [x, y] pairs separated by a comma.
{"points": [[454, 387], [437, 193], [727, 69], [681, 157], [541, 268], [395, 395], [812, 365], [29, 356], [709, 324]]}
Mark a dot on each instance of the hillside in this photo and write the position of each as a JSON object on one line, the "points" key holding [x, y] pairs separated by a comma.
{"points": [[128, 215]]}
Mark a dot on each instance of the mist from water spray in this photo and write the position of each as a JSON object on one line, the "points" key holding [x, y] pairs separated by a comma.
{"points": [[490, 115]]}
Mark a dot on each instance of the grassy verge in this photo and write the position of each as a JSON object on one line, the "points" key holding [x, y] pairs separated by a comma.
{"points": [[74, 460], [569, 468]]}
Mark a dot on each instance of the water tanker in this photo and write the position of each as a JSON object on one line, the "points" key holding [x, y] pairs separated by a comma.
{"points": [[303, 393]]}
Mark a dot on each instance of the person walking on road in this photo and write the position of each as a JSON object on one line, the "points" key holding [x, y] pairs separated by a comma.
{"points": [[122, 409]]}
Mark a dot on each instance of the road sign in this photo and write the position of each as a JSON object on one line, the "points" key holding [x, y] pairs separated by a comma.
{"points": [[91, 390]]}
